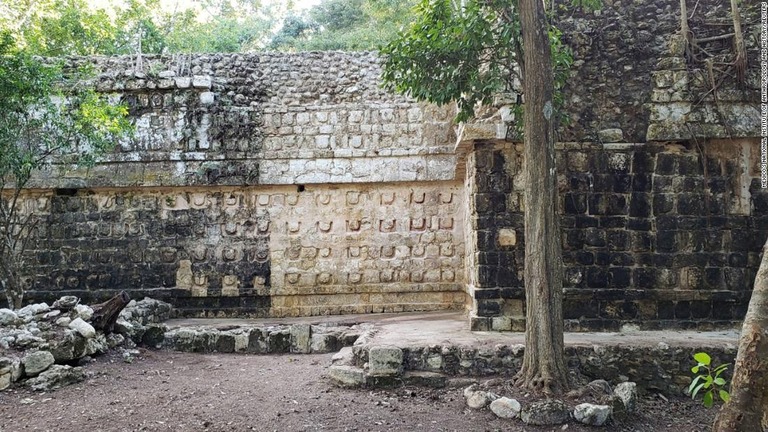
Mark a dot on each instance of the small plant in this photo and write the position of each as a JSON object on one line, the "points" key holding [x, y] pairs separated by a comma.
{"points": [[708, 379]]}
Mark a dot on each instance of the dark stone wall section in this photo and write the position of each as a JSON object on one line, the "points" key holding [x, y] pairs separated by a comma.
{"points": [[662, 236], [94, 245]]}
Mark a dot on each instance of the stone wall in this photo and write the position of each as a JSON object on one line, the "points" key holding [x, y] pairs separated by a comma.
{"points": [[658, 235], [279, 184], [268, 251]]}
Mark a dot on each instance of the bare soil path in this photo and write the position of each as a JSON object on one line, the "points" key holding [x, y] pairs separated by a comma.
{"points": [[171, 391]]}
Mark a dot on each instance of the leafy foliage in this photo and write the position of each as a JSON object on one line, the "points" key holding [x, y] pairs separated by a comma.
{"points": [[347, 25], [38, 119], [466, 54], [708, 379]]}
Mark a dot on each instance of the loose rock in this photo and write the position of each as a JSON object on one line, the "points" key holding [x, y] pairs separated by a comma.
{"points": [[36, 362], [627, 391], [506, 408], [86, 330], [56, 376], [546, 412], [593, 415]]}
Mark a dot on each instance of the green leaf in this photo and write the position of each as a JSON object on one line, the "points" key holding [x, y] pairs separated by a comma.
{"points": [[725, 396], [696, 390], [719, 381], [708, 399], [693, 385], [702, 358], [695, 369]]}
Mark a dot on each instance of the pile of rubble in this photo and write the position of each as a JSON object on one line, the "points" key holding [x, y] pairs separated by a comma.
{"points": [[609, 404], [44, 347]]}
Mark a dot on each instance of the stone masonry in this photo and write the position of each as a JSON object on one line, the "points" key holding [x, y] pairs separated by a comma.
{"points": [[279, 184]]}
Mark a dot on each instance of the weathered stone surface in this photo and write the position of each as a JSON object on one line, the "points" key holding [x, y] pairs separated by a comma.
{"points": [[69, 346], [425, 379], [7, 317], [506, 408], [301, 338], [27, 312], [480, 399], [627, 391], [36, 362], [593, 415], [84, 312], [545, 412], [385, 360], [65, 303], [154, 335], [83, 328], [56, 376], [347, 376]]}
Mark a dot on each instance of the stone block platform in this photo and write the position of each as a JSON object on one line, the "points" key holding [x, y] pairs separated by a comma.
{"points": [[435, 346]]}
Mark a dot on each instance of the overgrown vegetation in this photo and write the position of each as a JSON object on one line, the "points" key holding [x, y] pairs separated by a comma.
{"points": [[42, 113]]}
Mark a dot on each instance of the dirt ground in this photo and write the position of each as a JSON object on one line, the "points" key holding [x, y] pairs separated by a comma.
{"points": [[171, 391]]}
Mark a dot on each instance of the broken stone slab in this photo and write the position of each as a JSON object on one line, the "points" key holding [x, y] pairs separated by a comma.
{"points": [[301, 338], [28, 312], [593, 415], [83, 328], [347, 376], [344, 357], [65, 303], [506, 408], [36, 362], [56, 376], [545, 412], [385, 360]]}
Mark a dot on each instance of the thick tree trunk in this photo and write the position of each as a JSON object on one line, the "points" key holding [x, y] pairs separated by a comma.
{"points": [[105, 314], [748, 408], [544, 361]]}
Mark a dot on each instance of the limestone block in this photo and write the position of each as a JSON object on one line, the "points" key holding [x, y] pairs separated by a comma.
{"points": [[36, 362], [230, 286], [83, 328], [385, 360], [201, 81], [593, 415], [347, 376], [184, 275], [507, 237], [506, 408], [301, 338]]}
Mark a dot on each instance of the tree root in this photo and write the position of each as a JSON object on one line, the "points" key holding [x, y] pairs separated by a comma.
{"points": [[536, 381]]}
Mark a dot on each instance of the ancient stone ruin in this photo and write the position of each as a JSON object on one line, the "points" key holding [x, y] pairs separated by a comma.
{"points": [[274, 185]]}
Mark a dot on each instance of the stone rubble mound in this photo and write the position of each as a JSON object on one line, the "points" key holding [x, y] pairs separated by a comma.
{"points": [[44, 347]]}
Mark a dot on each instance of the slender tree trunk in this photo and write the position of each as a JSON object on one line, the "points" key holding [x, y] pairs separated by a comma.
{"points": [[544, 361], [748, 408], [740, 60]]}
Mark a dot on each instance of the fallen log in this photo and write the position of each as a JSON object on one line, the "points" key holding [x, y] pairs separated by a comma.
{"points": [[105, 314]]}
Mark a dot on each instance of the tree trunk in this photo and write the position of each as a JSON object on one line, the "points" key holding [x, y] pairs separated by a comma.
{"points": [[740, 59], [748, 408], [105, 314], [544, 359]]}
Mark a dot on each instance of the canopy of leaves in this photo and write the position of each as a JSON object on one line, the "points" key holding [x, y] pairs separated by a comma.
{"points": [[38, 119], [346, 25], [454, 53], [465, 52]]}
